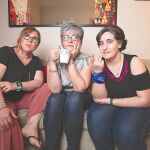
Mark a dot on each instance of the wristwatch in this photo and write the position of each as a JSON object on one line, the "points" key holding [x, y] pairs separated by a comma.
{"points": [[18, 85]]}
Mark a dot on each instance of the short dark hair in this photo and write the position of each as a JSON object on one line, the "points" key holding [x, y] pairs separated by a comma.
{"points": [[118, 35]]}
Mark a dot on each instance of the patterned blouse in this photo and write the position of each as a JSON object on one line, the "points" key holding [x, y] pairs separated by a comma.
{"points": [[80, 62]]}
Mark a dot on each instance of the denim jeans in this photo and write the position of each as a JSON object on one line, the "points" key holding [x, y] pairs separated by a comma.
{"points": [[65, 111], [124, 127]]}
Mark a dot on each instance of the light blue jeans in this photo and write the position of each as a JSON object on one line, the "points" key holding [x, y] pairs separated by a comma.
{"points": [[124, 127], [65, 111]]}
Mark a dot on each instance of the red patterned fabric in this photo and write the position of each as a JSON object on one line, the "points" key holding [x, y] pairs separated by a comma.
{"points": [[35, 103]]}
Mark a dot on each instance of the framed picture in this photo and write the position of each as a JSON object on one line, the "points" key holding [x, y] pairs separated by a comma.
{"points": [[18, 12], [101, 13], [105, 12]]}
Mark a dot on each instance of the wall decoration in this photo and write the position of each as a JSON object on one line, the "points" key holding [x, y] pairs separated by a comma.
{"points": [[18, 12], [105, 12]]}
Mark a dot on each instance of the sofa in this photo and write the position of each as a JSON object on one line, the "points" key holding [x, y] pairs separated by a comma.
{"points": [[86, 142]]}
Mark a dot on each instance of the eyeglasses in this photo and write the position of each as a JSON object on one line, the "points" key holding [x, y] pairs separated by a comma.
{"points": [[34, 39], [73, 38]]}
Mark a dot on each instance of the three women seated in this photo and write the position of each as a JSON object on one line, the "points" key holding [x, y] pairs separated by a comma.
{"points": [[118, 108]]}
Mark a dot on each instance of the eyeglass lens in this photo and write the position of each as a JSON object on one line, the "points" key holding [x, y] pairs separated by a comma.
{"points": [[28, 37], [67, 37]]}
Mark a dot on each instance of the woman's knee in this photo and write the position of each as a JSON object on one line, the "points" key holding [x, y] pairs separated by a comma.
{"points": [[74, 100], [97, 115], [125, 133], [94, 120], [76, 95], [55, 99], [91, 118], [55, 103]]}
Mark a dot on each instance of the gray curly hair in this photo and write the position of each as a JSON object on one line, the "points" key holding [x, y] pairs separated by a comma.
{"points": [[73, 27]]}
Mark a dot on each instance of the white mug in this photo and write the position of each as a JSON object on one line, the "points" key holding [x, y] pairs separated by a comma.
{"points": [[64, 56]]}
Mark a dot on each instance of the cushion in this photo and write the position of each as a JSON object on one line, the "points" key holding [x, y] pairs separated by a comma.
{"points": [[45, 73]]}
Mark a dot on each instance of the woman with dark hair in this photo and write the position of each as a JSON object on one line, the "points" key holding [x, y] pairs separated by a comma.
{"points": [[120, 112], [21, 87]]}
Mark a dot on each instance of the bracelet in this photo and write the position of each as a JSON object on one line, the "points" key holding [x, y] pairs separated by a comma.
{"points": [[18, 85], [111, 101], [71, 62], [98, 77], [52, 71]]}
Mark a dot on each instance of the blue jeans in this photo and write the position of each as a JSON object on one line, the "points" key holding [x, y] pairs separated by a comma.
{"points": [[65, 111], [124, 127]]}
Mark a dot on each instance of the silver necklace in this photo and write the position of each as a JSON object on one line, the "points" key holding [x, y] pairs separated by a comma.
{"points": [[117, 74]]}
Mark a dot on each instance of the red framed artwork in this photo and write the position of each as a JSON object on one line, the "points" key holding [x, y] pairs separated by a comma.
{"points": [[18, 12], [105, 12]]}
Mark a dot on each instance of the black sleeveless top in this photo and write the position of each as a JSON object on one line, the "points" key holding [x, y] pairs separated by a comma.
{"points": [[126, 84]]}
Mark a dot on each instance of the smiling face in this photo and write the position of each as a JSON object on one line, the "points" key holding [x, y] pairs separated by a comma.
{"points": [[70, 40], [108, 45]]}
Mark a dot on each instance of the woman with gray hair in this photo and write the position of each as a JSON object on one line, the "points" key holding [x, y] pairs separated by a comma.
{"points": [[68, 83]]}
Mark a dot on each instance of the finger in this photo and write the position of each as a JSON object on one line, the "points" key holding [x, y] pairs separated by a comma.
{"points": [[3, 89], [59, 52], [59, 46], [100, 59], [74, 47], [55, 57], [72, 52], [91, 60], [78, 45], [6, 90], [13, 115], [92, 55], [96, 58], [2, 85], [95, 100]]}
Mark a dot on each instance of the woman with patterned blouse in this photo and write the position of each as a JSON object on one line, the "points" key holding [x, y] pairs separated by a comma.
{"points": [[68, 84]]}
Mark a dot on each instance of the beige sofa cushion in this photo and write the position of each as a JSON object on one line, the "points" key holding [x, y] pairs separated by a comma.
{"points": [[22, 114], [147, 63]]}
